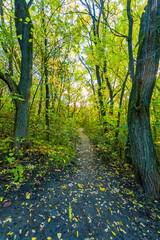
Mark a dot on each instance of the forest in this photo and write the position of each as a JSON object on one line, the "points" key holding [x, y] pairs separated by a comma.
{"points": [[80, 91]]}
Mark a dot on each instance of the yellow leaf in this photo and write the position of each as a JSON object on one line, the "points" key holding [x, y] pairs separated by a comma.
{"points": [[80, 185], [59, 235], [10, 233], [102, 189], [70, 212], [121, 230], [28, 195], [77, 234], [49, 238], [49, 219], [64, 187], [1, 199], [114, 233]]}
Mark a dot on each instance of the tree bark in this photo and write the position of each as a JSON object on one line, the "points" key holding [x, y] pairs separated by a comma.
{"points": [[143, 154], [130, 49], [120, 107]]}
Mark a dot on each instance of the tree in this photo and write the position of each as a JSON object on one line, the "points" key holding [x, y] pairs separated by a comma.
{"points": [[21, 91], [143, 154]]}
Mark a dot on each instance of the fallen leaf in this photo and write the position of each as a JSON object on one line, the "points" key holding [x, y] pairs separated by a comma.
{"points": [[28, 195], [59, 235], [10, 233], [7, 204], [80, 185], [70, 212]]}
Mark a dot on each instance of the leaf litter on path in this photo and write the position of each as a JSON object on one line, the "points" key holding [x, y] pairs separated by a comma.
{"points": [[93, 202]]}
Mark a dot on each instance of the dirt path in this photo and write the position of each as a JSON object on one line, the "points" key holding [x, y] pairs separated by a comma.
{"points": [[91, 202]]}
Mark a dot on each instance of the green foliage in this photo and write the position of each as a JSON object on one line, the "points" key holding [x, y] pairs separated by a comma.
{"points": [[18, 173]]}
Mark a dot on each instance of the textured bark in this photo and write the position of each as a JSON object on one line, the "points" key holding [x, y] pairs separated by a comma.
{"points": [[143, 154], [109, 88], [120, 107], [46, 72], [130, 31], [100, 96], [24, 29]]}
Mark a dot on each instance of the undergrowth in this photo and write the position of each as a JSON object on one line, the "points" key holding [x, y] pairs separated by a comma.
{"points": [[58, 152]]}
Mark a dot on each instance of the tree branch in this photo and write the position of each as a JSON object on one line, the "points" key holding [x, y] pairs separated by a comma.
{"points": [[30, 3], [10, 82]]}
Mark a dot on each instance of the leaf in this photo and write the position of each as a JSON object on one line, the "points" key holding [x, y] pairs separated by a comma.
{"points": [[70, 212], [49, 238], [7, 204], [64, 187], [49, 219], [80, 185], [99, 178], [27, 19], [8, 219], [102, 189], [28, 195], [10, 233], [59, 235], [113, 233], [121, 230], [20, 36], [33, 238], [1, 199], [140, 205]]}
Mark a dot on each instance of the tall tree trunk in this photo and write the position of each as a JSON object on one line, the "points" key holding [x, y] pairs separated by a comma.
{"points": [[46, 71], [100, 95], [130, 48], [109, 88], [23, 28], [143, 154], [41, 95], [120, 107]]}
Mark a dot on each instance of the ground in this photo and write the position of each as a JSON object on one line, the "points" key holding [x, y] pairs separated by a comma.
{"points": [[90, 200]]}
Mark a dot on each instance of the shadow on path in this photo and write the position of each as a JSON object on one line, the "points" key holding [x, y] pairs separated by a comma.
{"points": [[91, 202]]}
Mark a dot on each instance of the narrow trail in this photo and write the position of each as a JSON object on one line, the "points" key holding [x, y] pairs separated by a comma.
{"points": [[91, 202]]}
